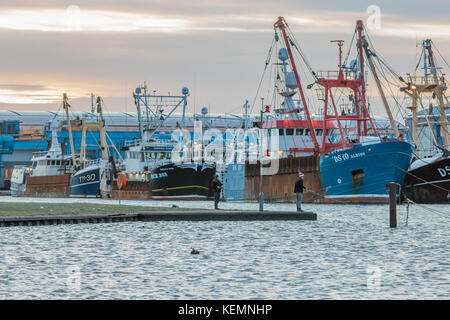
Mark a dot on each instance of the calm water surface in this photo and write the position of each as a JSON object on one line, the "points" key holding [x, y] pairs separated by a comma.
{"points": [[348, 253]]}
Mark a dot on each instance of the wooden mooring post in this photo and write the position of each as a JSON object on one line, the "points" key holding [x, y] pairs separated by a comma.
{"points": [[392, 190]]}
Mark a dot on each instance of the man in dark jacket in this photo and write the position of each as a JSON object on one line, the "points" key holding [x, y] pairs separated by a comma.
{"points": [[217, 187], [299, 190]]}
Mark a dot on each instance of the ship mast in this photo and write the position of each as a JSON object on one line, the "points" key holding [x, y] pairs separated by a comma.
{"points": [[353, 79], [439, 91], [69, 128], [369, 55], [96, 126], [281, 24], [102, 130], [418, 85], [148, 100], [364, 111]]}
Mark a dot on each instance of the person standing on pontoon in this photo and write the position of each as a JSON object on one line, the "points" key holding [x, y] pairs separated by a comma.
{"points": [[217, 187], [299, 190]]}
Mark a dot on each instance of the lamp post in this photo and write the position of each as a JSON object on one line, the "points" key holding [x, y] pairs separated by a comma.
{"points": [[261, 194]]}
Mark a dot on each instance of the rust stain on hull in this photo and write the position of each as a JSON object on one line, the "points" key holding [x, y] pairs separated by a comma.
{"points": [[134, 190], [280, 187], [56, 186]]}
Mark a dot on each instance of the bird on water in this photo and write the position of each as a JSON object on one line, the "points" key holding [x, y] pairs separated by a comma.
{"points": [[195, 251]]}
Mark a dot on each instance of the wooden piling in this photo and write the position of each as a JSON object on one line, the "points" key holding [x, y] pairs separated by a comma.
{"points": [[392, 190]]}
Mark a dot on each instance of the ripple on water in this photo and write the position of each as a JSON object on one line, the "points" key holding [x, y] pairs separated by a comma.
{"points": [[348, 253]]}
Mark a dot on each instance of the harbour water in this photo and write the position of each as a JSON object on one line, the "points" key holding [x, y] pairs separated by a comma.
{"points": [[348, 253]]}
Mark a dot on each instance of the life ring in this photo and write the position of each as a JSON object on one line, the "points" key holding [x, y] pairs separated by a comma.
{"points": [[122, 180]]}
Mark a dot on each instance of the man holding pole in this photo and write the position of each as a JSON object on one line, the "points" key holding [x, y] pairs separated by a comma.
{"points": [[217, 187], [299, 190]]}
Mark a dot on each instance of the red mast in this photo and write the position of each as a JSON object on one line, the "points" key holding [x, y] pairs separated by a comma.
{"points": [[281, 24], [354, 80]]}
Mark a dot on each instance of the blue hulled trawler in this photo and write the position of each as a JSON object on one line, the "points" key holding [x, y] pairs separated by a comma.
{"points": [[356, 167], [358, 163], [93, 178]]}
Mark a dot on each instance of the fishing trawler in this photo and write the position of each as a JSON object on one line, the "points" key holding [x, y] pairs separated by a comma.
{"points": [[151, 160], [93, 178], [428, 178], [295, 134], [355, 166], [48, 175], [86, 181], [148, 163]]}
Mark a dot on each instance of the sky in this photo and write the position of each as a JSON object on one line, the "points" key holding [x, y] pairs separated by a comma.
{"points": [[215, 48]]}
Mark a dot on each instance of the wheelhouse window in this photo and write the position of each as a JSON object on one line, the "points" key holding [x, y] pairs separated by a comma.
{"points": [[136, 155], [319, 132], [307, 132], [290, 132], [281, 132], [299, 131]]}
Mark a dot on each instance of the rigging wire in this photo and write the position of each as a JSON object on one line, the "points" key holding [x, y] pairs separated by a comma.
{"points": [[350, 48], [445, 61], [409, 201], [387, 87], [294, 43], [311, 103], [428, 122], [268, 59], [54, 116], [406, 171], [438, 212], [381, 65], [418, 62], [382, 60]]}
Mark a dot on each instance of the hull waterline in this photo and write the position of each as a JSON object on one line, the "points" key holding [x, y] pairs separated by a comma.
{"points": [[360, 174], [429, 183]]}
